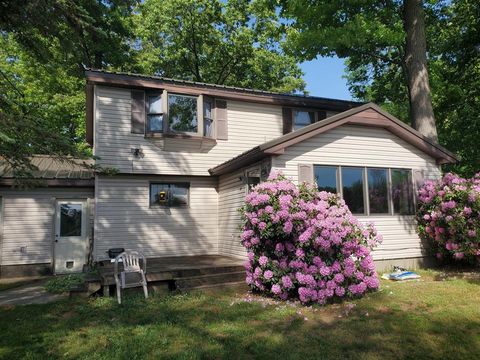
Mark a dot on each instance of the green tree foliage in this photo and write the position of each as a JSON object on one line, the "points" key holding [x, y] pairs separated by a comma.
{"points": [[370, 35], [236, 42], [46, 44], [44, 47]]}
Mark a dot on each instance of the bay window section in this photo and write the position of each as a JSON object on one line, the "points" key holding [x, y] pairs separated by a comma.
{"points": [[352, 189], [182, 113], [169, 194], [377, 180], [326, 178], [302, 118], [402, 192], [154, 113]]}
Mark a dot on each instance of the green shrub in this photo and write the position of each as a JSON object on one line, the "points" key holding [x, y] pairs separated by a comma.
{"points": [[63, 283]]}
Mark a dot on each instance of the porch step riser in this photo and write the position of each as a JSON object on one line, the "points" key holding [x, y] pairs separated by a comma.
{"points": [[193, 282]]}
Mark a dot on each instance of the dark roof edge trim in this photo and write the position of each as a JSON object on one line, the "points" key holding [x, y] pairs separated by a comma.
{"points": [[399, 128], [190, 87], [53, 182]]}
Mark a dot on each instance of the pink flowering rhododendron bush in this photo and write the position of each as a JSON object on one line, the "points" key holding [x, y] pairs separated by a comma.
{"points": [[305, 244], [448, 217]]}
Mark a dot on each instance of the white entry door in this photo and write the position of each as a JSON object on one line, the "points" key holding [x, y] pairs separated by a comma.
{"points": [[70, 236]]}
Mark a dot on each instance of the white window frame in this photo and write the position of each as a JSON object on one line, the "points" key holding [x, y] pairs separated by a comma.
{"points": [[366, 202]]}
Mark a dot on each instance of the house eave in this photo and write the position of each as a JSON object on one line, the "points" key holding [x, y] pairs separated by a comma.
{"points": [[383, 120]]}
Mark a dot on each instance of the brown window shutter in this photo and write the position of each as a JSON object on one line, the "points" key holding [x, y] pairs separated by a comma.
{"points": [[287, 120], [89, 113], [305, 173], [321, 115], [138, 112], [221, 119]]}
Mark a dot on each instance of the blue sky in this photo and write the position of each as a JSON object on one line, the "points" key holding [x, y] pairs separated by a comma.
{"points": [[324, 78]]}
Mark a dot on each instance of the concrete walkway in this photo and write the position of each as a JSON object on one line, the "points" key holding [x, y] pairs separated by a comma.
{"points": [[33, 293]]}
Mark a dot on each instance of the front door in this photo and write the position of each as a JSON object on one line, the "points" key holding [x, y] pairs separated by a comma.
{"points": [[70, 236]]}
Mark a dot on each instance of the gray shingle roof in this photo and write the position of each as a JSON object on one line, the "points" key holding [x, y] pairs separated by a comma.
{"points": [[50, 167]]}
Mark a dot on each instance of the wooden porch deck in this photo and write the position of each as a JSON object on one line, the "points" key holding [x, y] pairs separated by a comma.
{"points": [[182, 268]]}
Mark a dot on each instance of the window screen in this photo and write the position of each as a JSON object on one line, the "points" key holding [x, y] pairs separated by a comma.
{"points": [[182, 113], [169, 194]]}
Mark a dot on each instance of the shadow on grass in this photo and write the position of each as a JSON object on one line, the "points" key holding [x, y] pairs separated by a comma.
{"points": [[209, 326]]}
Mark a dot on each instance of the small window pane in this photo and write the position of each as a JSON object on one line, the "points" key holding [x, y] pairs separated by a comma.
{"points": [[377, 191], [303, 118], [402, 192], [207, 109], [207, 123], [253, 178], [179, 195], [182, 113], [352, 186], [155, 104], [70, 220], [169, 195], [326, 177], [155, 123]]}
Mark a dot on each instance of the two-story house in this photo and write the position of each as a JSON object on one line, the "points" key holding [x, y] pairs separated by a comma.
{"points": [[186, 154]]}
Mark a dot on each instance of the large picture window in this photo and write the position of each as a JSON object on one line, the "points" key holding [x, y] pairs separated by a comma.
{"points": [[377, 190], [389, 191], [182, 113], [402, 192], [169, 194]]}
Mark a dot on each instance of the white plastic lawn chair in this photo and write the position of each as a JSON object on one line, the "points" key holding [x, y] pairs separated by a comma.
{"points": [[132, 275]]}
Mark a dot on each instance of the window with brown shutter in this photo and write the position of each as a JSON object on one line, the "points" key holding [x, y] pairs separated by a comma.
{"points": [[305, 173]]}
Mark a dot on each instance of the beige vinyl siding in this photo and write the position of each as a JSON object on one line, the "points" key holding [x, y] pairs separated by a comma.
{"points": [[249, 124], [366, 146], [28, 221], [125, 219], [231, 194]]}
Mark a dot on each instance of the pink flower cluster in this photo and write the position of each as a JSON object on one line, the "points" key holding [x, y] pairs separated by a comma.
{"points": [[448, 218], [305, 244]]}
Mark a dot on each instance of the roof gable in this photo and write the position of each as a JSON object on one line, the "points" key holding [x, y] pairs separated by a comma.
{"points": [[365, 115]]}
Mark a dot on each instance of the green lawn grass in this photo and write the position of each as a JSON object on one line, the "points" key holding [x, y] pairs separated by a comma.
{"points": [[433, 318]]}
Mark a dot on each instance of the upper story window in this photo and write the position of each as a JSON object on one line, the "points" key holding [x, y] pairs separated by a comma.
{"points": [[302, 118], [161, 113], [182, 113], [369, 190], [207, 117], [154, 113]]}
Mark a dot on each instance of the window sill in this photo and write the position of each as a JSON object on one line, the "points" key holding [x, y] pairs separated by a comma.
{"points": [[179, 136]]}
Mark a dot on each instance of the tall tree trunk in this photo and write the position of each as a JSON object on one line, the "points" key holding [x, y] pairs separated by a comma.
{"points": [[421, 109]]}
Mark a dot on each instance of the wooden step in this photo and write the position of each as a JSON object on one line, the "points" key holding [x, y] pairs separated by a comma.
{"points": [[238, 285], [185, 283]]}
